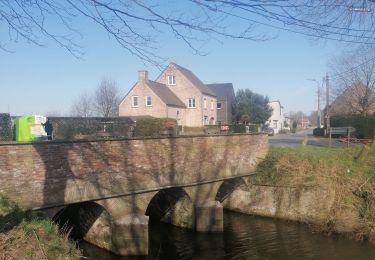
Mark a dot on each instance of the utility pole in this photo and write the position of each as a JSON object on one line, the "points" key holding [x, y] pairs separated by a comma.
{"points": [[327, 104], [319, 119], [319, 113]]}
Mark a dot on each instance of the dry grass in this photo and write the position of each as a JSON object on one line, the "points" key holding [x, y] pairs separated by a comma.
{"points": [[27, 235], [352, 181]]}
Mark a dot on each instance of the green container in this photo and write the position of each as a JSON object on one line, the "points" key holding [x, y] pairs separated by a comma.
{"points": [[29, 128], [23, 130]]}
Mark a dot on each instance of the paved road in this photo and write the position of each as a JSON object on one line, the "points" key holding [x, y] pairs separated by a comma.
{"points": [[294, 140]]}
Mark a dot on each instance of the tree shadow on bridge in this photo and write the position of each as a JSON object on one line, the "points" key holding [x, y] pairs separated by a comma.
{"points": [[55, 158], [77, 219], [83, 172], [103, 169]]}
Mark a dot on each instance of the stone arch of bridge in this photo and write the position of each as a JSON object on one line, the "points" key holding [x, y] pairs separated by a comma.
{"points": [[229, 186], [82, 220], [173, 206]]}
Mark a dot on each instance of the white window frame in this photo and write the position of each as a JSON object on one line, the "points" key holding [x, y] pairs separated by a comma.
{"points": [[205, 103], [135, 98], [191, 103], [171, 80], [212, 104], [149, 105], [217, 105]]}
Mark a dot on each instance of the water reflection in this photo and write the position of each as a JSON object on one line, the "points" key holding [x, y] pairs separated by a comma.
{"points": [[245, 237]]}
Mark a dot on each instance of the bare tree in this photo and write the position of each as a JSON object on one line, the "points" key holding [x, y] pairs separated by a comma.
{"points": [[139, 26], [83, 106], [354, 82], [299, 117], [107, 98]]}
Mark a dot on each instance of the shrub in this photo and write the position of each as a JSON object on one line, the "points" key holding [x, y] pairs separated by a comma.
{"points": [[365, 126], [155, 126], [67, 128], [253, 128], [6, 133], [237, 128], [318, 132]]}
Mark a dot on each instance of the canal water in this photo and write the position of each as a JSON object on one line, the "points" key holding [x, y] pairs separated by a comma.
{"points": [[245, 237]]}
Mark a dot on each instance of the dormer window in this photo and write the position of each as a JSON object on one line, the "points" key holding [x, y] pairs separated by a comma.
{"points": [[171, 80]]}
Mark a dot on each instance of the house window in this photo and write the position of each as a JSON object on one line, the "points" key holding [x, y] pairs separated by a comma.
{"points": [[204, 103], [191, 103], [171, 80], [212, 104], [218, 105], [134, 101], [148, 101]]}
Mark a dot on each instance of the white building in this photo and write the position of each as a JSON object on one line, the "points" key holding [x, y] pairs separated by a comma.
{"points": [[277, 119]]}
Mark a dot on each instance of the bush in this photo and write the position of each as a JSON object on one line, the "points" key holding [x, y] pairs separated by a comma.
{"points": [[6, 133], [238, 128], [155, 127], [253, 128], [67, 128], [318, 132], [365, 126]]}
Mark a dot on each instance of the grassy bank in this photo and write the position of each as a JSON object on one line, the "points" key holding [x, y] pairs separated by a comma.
{"points": [[28, 235], [349, 173]]}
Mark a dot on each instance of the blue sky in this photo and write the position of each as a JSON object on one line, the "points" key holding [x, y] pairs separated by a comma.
{"points": [[37, 80]]}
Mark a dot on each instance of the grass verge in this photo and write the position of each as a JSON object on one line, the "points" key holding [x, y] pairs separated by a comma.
{"points": [[29, 235], [351, 180]]}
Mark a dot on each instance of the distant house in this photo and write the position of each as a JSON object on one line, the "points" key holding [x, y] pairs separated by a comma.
{"points": [[277, 119], [356, 100], [150, 98], [225, 96], [176, 93]]}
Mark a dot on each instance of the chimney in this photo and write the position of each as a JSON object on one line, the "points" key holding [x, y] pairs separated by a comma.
{"points": [[142, 76]]}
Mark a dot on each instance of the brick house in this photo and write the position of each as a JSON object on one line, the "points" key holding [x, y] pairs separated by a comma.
{"points": [[176, 93], [225, 96], [355, 100]]}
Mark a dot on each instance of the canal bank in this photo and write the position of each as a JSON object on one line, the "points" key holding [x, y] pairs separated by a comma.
{"points": [[331, 189]]}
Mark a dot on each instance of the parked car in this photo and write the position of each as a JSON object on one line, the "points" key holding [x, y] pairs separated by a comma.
{"points": [[270, 131]]}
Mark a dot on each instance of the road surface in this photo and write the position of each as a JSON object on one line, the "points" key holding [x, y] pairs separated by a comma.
{"points": [[295, 140]]}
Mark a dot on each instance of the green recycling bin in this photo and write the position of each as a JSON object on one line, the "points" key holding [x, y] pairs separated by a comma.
{"points": [[30, 128]]}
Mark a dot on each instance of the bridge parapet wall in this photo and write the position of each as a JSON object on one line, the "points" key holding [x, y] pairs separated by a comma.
{"points": [[38, 175]]}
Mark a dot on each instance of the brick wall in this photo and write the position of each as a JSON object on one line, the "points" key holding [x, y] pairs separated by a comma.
{"points": [[51, 173]]}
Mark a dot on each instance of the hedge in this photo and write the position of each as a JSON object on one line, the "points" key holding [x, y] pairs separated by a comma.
{"points": [[238, 128], [155, 127], [6, 133], [68, 128], [365, 126]]}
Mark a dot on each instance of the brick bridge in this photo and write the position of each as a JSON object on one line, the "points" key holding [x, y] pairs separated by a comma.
{"points": [[107, 190]]}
